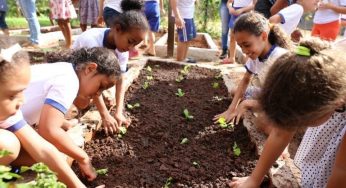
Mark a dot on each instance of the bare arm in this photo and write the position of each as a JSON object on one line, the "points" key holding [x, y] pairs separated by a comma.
{"points": [[179, 21], [275, 19], [108, 122], [278, 5], [337, 179], [100, 16], [43, 151], [120, 97]]}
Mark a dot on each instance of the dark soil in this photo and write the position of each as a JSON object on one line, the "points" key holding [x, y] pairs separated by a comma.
{"points": [[151, 152]]}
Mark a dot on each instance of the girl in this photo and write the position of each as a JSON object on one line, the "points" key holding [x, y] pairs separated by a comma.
{"points": [[62, 11], [129, 29], [305, 88], [88, 13], [236, 8], [262, 43], [24, 143]]}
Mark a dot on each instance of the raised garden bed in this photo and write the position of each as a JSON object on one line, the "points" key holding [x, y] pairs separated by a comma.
{"points": [[151, 151]]}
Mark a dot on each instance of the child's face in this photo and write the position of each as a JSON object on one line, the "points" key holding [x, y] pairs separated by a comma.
{"points": [[12, 87], [126, 41], [251, 44], [309, 5], [91, 84]]}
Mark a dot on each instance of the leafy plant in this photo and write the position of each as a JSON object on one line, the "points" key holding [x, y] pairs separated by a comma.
{"points": [[218, 76], [185, 70], [4, 153], [149, 69], [131, 107], [168, 182], [236, 150], [187, 114], [145, 85], [195, 163], [102, 171], [150, 77], [184, 141], [215, 85], [122, 132], [180, 78], [222, 123], [180, 93]]}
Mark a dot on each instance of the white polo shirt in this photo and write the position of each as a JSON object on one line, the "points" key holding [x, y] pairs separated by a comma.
{"points": [[323, 16], [186, 8], [290, 17], [13, 123], [95, 38], [113, 4], [242, 3], [55, 84]]}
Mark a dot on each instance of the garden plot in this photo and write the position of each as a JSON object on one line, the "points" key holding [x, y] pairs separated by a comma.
{"points": [[172, 140]]}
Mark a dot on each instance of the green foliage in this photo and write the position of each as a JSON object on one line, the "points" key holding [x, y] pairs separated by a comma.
{"points": [[180, 93], [236, 150], [180, 78], [185, 70], [215, 85], [102, 171], [184, 141], [122, 132], [187, 114], [168, 182], [4, 153], [222, 123], [145, 85], [133, 106]]}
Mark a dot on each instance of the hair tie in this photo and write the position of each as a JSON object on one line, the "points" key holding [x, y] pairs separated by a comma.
{"points": [[303, 51], [7, 53]]}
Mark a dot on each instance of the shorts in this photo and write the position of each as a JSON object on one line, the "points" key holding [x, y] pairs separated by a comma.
{"points": [[188, 32], [109, 16], [233, 18], [3, 24], [152, 12], [328, 31]]}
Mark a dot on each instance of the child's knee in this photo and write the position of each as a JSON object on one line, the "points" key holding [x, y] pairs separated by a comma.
{"points": [[9, 142]]}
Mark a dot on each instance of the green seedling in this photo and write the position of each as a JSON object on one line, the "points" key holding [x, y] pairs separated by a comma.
{"points": [[185, 70], [236, 150], [184, 141], [149, 69], [218, 76], [222, 122], [187, 114], [145, 85], [180, 93], [122, 132], [150, 77], [131, 107], [180, 78], [168, 182], [217, 98], [195, 163], [215, 85], [4, 153], [102, 171]]}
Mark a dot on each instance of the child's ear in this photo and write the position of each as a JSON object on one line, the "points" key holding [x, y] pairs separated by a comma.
{"points": [[117, 28], [90, 67], [264, 36]]}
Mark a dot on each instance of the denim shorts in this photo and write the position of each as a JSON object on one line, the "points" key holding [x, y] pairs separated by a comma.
{"points": [[3, 24], [188, 32]]}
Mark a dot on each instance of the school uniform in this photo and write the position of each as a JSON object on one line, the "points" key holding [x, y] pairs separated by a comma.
{"points": [[54, 84], [237, 4], [290, 17], [152, 13], [13, 123], [259, 68], [317, 151], [96, 37], [186, 10]]}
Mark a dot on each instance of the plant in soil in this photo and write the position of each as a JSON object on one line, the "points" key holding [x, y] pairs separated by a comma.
{"points": [[215, 85], [102, 171], [187, 114], [133, 106], [122, 132], [185, 70], [222, 123], [145, 85], [180, 78], [180, 93], [184, 141], [236, 150], [168, 182]]}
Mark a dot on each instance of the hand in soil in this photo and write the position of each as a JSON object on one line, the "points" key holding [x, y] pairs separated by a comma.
{"points": [[228, 115], [109, 124], [87, 169], [239, 182], [121, 120]]}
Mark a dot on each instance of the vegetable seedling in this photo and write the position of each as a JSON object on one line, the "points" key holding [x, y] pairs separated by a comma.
{"points": [[122, 132], [131, 107], [149, 69], [195, 163], [187, 114], [180, 93], [168, 182], [145, 85], [215, 85], [222, 122], [184, 141], [185, 70], [179, 79], [4, 153], [236, 150], [150, 77], [102, 171]]}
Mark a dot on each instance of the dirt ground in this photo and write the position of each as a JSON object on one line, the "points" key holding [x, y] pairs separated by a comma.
{"points": [[151, 152]]}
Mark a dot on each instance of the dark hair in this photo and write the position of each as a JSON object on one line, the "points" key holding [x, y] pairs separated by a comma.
{"points": [[107, 62], [298, 89], [255, 23], [132, 17], [18, 59]]}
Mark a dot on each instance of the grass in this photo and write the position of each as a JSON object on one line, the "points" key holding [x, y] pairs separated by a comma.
{"points": [[20, 22]]}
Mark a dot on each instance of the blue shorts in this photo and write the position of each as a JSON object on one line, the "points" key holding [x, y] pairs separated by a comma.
{"points": [[188, 32], [109, 16], [152, 12], [3, 24], [233, 18]]}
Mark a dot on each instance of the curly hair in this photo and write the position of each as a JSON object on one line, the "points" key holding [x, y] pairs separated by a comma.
{"points": [[107, 62], [298, 89], [256, 24]]}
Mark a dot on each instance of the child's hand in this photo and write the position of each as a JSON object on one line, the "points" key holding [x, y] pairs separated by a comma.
{"points": [[109, 124], [229, 115], [328, 5], [87, 169], [100, 20], [121, 119], [231, 10], [179, 22], [245, 182]]}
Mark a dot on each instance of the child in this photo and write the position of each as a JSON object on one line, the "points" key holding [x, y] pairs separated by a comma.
{"points": [[16, 136], [305, 88], [62, 11], [262, 43], [236, 8], [289, 17], [3, 10], [183, 11], [152, 12], [88, 13], [108, 10], [327, 19], [129, 29], [225, 17]]}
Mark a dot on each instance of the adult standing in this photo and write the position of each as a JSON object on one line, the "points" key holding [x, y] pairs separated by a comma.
{"points": [[225, 17], [29, 11]]}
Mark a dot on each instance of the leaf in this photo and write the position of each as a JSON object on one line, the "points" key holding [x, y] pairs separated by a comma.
{"points": [[215, 85], [180, 93], [24, 169], [168, 182], [129, 106], [236, 150], [102, 171], [222, 122], [184, 141], [122, 130], [136, 105], [145, 85], [195, 163], [187, 114], [179, 79], [150, 77], [4, 153], [149, 69]]}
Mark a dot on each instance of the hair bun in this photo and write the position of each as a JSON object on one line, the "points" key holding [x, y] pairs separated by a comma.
{"points": [[127, 5]]}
